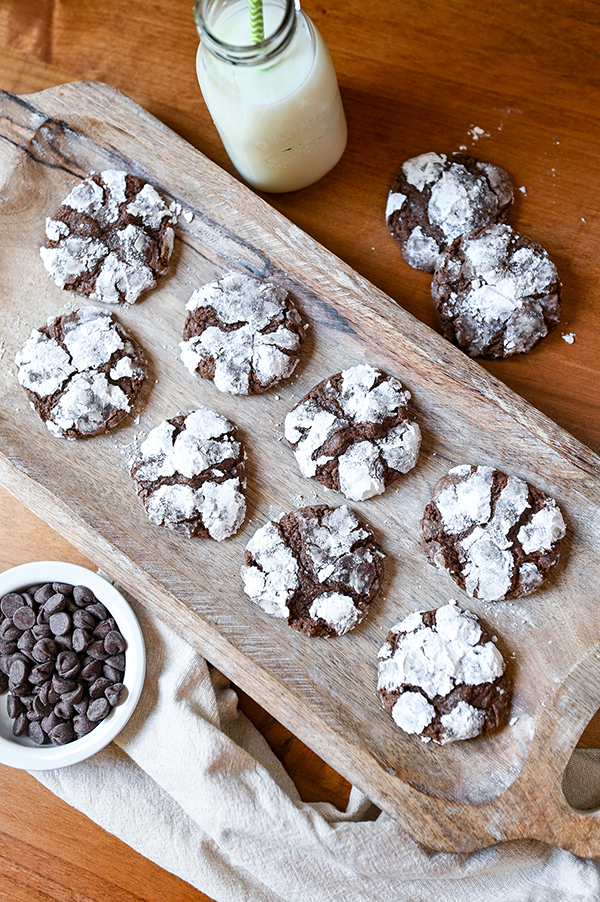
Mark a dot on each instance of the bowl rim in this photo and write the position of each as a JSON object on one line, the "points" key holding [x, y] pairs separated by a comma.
{"points": [[21, 752]]}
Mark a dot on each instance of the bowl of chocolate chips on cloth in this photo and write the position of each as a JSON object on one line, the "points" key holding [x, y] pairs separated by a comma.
{"points": [[72, 664]]}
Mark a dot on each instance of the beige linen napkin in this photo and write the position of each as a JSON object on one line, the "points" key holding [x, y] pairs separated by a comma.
{"points": [[192, 785]]}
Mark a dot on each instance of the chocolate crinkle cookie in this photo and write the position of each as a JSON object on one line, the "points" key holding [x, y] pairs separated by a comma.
{"points": [[441, 677], [190, 475], [436, 198], [497, 536], [82, 372], [242, 333], [110, 239], [497, 293], [354, 433], [319, 568]]}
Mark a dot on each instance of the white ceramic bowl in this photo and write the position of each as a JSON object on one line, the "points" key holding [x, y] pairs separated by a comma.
{"points": [[21, 751]]}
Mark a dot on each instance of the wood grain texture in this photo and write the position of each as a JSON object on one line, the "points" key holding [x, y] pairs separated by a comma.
{"points": [[413, 78], [322, 690]]}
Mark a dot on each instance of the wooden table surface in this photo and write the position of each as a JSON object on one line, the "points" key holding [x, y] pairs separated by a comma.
{"points": [[517, 85]]}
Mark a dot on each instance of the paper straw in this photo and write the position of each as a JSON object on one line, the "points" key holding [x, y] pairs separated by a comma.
{"points": [[257, 25]]}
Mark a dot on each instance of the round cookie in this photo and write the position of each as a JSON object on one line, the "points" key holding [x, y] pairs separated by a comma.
{"points": [[82, 372], [190, 475], [496, 536], [497, 293], [353, 432], [319, 568], [242, 333], [436, 198], [441, 677], [110, 239]]}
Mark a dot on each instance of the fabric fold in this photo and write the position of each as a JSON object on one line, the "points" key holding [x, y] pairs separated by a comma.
{"points": [[191, 784]]}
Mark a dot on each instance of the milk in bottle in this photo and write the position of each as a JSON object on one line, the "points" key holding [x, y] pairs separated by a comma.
{"points": [[275, 103]]}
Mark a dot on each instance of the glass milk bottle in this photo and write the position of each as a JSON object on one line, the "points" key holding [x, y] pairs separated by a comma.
{"points": [[276, 103]]}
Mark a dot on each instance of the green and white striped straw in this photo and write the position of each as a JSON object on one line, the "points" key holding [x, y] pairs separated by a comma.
{"points": [[257, 25]]}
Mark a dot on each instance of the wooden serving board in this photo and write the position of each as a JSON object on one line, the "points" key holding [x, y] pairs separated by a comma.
{"points": [[459, 797]]}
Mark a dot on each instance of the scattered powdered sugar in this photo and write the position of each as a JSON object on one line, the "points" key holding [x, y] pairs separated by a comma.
{"points": [[248, 345], [569, 337], [432, 661], [363, 397]]}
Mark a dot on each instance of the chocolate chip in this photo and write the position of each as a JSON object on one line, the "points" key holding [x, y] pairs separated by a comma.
{"points": [[60, 623], [18, 672], [114, 643], [82, 725], [36, 732], [14, 706], [24, 618], [21, 724], [98, 709], [116, 694], [82, 619], [62, 734], [55, 604], [98, 686], [81, 640], [83, 596], [44, 650], [67, 664], [10, 603], [42, 595]]}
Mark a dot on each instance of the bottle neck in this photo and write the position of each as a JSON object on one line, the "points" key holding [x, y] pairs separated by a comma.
{"points": [[214, 16]]}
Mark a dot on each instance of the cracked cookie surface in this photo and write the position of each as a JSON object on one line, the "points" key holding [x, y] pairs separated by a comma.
{"points": [[110, 239], [242, 333], [354, 433], [435, 198], [190, 475], [496, 292], [497, 537], [319, 568], [82, 372], [441, 677]]}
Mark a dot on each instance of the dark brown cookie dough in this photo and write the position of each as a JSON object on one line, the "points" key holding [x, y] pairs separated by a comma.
{"points": [[497, 293], [318, 567], [441, 677], [354, 433], [242, 333], [497, 537], [190, 475], [436, 198], [82, 372], [110, 239]]}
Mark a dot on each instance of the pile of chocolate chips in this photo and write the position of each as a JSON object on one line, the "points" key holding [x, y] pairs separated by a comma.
{"points": [[62, 660]]}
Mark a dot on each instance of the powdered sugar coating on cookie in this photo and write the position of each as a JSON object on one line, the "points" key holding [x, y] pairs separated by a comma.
{"points": [[318, 567], [436, 198], [497, 537], [190, 475], [440, 676], [497, 293], [110, 239], [242, 333], [353, 432], [82, 372]]}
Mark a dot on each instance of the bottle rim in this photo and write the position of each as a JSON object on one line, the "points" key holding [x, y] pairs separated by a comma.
{"points": [[246, 54]]}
